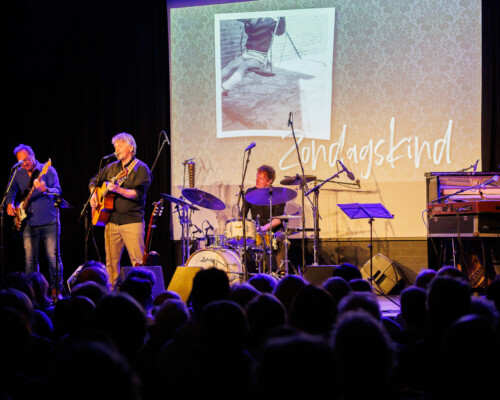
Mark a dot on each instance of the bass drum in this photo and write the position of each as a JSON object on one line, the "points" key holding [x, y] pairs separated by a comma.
{"points": [[224, 259]]}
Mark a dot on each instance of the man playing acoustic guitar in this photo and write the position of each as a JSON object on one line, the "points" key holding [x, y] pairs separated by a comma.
{"points": [[119, 202], [36, 215]]}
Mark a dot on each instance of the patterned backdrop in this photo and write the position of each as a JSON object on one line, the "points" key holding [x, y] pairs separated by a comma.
{"points": [[405, 101]]}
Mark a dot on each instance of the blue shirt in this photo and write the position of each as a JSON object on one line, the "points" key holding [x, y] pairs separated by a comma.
{"points": [[41, 209]]}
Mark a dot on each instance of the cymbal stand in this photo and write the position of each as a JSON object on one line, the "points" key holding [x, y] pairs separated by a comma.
{"points": [[270, 230], [258, 251], [243, 215], [258, 257], [185, 221], [286, 243]]}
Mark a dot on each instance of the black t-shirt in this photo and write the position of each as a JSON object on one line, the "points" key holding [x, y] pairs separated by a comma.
{"points": [[126, 211], [263, 211]]}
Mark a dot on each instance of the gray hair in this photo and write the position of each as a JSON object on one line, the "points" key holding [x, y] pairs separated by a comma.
{"points": [[125, 137]]}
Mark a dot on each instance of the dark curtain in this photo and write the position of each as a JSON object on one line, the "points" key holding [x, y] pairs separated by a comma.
{"points": [[77, 72], [490, 129]]}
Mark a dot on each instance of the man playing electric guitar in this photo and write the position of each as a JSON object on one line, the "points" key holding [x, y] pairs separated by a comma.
{"points": [[124, 226], [38, 221]]}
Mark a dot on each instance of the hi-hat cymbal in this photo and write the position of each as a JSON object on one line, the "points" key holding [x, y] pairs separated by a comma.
{"points": [[287, 216], [180, 202], [271, 195], [297, 179], [203, 199]]}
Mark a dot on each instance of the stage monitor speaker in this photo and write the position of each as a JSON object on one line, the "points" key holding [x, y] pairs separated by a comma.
{"points": [[384, 273], [317, 274], [182, 281], [159, 285]]}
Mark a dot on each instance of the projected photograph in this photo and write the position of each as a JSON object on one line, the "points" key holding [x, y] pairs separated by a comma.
{"points": [[271, 64]]}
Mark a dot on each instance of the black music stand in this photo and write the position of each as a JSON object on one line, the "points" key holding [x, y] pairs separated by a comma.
{"points": [[371, 211]]}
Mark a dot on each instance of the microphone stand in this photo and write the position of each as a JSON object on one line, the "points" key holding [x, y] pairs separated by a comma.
{"points": [[160, 150], [303, 187], [241, 195], [59, 202], [2, 247], [315, 189], [84, 211]]}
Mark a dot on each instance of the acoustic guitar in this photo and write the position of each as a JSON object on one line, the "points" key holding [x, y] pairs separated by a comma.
{"points": [[157, 211], [22, 209], [106, 199]]}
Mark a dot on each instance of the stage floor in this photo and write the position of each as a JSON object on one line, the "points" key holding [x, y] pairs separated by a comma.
{"points": [[389, 305]]}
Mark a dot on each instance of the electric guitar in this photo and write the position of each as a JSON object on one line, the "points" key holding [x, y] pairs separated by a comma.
{"points": [[22, 209], [106, 199], [157, 211]]}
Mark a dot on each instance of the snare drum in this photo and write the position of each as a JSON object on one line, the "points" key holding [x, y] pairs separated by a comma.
{"points": [[224, 259], [234, 232]]}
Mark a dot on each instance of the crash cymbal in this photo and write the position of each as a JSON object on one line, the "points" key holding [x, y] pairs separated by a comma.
{"points": [[287, 216], [271, 195], [203, 199], [180, 202], [296, 180]]}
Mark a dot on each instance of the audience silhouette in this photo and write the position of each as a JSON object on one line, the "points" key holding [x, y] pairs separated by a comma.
{"points": [[266, 337]]}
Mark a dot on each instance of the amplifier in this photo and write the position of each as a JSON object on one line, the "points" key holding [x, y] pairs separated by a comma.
{"points": [[468, 225]]}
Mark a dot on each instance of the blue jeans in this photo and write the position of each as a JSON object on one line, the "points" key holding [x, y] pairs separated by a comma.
{"points": [[32, 235]]}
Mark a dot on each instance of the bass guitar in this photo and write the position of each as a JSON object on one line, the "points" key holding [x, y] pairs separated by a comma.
{"points": [[22, 209], [157, 211], [106, 199]]}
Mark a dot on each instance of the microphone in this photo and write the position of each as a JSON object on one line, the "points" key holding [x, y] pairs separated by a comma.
{"points": [[210, 226], [290, 119], [251, 146], [109, 156], [197, 229], [350, 175], [166, 137], [18, 164], [491, 180]]}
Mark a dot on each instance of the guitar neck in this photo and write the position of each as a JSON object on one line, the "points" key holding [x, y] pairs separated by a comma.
{"points": [[26, 200], [28, 197], [156, 211]]}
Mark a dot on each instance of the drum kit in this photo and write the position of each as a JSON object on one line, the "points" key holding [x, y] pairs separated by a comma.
{"points": [[226, 251]]}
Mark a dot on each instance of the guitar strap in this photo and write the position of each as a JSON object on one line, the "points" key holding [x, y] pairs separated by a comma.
{"points": [[34, 175], [129, 169]]}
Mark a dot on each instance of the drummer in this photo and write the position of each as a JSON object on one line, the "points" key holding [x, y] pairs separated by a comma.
{"points": [[265, 178]]}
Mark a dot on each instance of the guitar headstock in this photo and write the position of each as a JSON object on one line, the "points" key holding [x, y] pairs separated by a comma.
{"points": [[158, 208], [46, 167]]}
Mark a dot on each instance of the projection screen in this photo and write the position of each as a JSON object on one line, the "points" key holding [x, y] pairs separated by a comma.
{"points": [[391, 88]]}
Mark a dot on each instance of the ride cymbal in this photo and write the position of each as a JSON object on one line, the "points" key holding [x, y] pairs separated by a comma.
{"points": [[271, 195]]}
